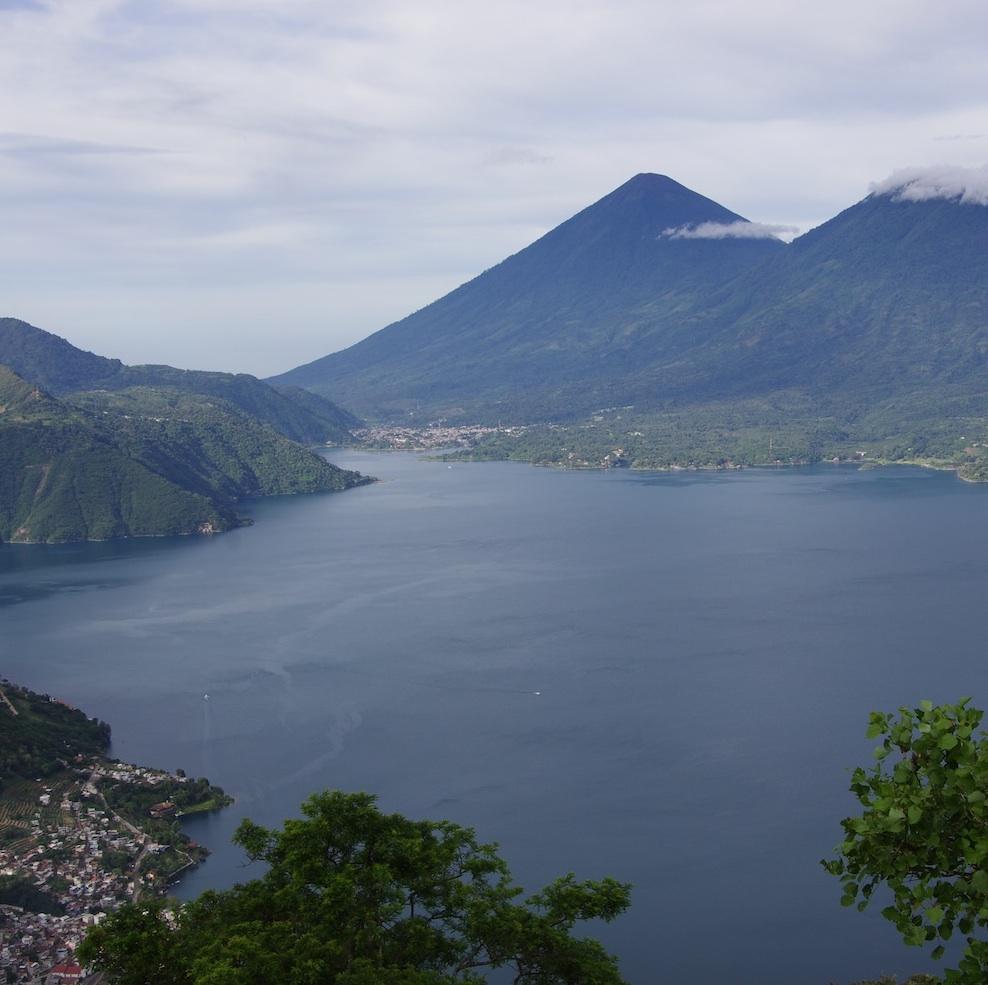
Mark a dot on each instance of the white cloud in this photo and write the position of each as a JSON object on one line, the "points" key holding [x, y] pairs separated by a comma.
{"points": [[741, 229], [968, 186]]}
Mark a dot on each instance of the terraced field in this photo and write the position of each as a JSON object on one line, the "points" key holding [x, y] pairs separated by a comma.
{"points": [[18, 808]]}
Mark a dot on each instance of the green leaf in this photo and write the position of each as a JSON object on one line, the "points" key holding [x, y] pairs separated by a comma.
{"points": [[980, 881], [921, 831]]}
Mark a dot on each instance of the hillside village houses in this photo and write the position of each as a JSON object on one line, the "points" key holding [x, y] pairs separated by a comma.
{"points": [[88, 862]]}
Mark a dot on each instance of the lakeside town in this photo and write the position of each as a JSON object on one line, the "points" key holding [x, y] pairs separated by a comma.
{"points": [[80, 842], [428, 437]]}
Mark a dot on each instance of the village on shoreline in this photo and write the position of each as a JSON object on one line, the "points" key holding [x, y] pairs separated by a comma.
{"points": [[79, 843]]}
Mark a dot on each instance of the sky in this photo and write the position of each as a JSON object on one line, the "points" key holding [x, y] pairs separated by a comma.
{"points": [[250, 184]]}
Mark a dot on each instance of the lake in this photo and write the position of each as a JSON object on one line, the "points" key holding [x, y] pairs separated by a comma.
{"points": [[661, 677]]}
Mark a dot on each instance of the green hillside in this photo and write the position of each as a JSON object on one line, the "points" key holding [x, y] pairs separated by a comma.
{"points": [[324, 409], [296, 414], [139, 463], [63, 477], [38, 734], [49, 361], [60, 368], [888, 298], [209, 446], [786, 428]]}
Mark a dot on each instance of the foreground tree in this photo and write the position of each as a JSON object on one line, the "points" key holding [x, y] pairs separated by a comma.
{"points": [[923, 832], [352, 896]]}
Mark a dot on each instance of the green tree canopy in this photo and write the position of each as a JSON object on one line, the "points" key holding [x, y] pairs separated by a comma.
{"points": [[353, 896], [923, 831]]}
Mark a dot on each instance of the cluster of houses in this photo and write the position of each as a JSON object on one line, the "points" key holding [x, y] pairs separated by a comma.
{"points": [[38, 947], [433, 436], [87, 862]]}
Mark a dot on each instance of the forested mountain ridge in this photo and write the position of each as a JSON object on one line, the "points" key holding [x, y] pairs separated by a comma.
{"points": [[63, 477], [888, 297], [142, 462], [209, 446], [60, 368]]}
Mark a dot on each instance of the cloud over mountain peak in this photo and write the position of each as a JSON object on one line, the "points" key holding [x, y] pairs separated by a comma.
{"points": [[741, 229], [968, 186]]}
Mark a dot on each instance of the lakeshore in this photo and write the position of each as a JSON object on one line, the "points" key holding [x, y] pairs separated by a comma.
{"points": [[84, 837], [585, 448], [692, 635]]}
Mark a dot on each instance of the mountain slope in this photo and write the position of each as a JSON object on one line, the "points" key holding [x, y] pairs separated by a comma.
{"points": [[63, 478], [882, 310], [567, 308], [866, 339], [888, 298], [322, 408], [208, 446], [60, 368], [38, 734], [51, 362], [140, 462], [303, 417]]}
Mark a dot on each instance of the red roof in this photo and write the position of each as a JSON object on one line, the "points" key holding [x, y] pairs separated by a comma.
{"points": [[67, 969]]}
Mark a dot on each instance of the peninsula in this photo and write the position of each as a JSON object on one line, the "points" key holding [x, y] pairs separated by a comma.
{"points": [[80, 833], [91, 449]]}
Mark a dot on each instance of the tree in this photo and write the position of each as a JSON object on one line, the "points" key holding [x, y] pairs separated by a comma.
{"points": [[923, 832], [352, 896]]}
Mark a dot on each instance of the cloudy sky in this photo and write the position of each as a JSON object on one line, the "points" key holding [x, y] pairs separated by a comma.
{"points": [[250, 184]]}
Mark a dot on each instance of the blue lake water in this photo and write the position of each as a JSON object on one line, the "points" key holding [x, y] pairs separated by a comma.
{"points": [[706, 648]]}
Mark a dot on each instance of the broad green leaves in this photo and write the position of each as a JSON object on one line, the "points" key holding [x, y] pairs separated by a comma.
{"points": [[923, 831]]}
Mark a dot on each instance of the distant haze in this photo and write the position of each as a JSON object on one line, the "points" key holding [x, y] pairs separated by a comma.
{"points": [[250, 184]]}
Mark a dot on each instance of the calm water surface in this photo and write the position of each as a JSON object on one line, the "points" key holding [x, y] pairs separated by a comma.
{"points": [[706, 649]]}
